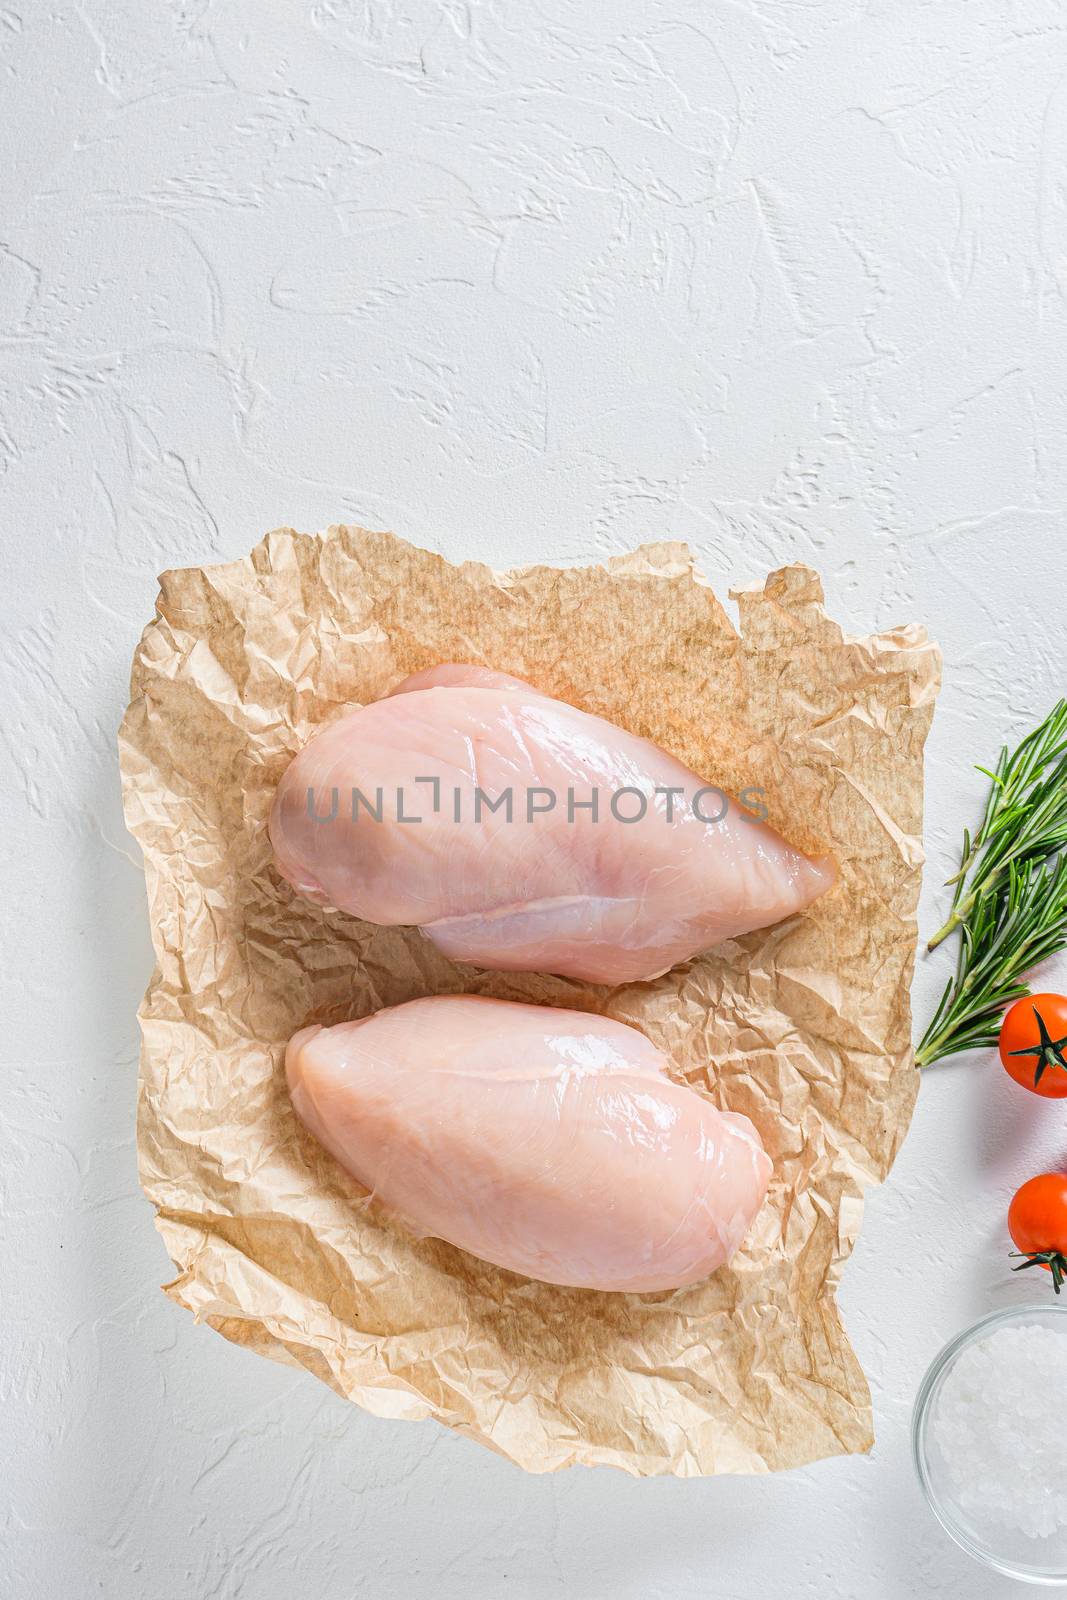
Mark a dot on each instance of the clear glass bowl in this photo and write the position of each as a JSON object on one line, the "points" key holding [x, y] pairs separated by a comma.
{"points": [[1018, 1555]]}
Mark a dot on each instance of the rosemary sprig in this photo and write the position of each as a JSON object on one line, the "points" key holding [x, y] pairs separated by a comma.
{"points": [[1007, 932], [1025, 816], [1010, 901]]}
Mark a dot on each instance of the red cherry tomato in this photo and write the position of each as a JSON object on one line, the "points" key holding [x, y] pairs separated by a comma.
{"points": [[1037, 1222], [1033, 1044]]}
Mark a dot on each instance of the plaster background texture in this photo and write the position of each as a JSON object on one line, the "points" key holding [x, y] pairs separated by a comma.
{"points": [[521, 281]]}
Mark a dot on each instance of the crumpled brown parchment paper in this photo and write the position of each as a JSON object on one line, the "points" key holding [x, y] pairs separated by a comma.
{"points": [[805, 1027]]}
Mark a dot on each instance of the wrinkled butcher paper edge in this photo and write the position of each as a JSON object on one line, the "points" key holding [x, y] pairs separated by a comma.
{"points": [[805, 1027]]}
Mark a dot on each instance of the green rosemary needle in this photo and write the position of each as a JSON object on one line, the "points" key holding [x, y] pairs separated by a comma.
{"points": [[1010, 901]]}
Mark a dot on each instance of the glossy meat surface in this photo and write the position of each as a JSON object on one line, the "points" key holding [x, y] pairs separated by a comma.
{"points": [[552, 887], [549, 1142]]}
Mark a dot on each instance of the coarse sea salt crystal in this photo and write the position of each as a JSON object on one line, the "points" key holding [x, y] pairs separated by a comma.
{"points": [[999, 1423]]}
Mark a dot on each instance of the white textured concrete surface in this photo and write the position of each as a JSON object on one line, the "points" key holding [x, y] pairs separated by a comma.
{"points": [[526, 279]]}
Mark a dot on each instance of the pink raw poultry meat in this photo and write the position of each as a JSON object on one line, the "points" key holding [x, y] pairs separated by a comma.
{"points": [[550, 1142], [554, 887]]}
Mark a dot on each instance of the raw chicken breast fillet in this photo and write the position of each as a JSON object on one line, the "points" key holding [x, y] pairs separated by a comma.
{"points": [[554, 888], [550, 1142]]}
